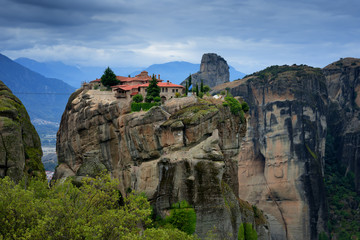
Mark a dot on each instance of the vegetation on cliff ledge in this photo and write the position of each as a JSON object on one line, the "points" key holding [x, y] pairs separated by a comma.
{"points": [[191, 115], [272, 72], [236, 107]]}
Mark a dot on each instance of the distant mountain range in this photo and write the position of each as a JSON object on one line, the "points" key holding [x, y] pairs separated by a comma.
{"points": [[44, 98], [176, 72], [72, 75]]}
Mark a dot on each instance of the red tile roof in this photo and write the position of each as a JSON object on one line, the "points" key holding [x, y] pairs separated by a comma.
{"points": [[126, 87], [134, 93], [143, 81], [169, 84], [123, 79], [97, 80], [163, 84]]}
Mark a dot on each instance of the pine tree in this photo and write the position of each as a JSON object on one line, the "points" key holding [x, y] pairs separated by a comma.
{"points": [[109, 78], [153, 90]]}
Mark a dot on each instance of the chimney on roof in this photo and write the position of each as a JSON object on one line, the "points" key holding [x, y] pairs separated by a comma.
{"points": [[167, 81], [158, 76]]}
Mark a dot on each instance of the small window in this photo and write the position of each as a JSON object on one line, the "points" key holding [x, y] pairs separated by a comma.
{"points": [[173, 90], [162, 89], [166, 89], [145, 89], [176, 90]]}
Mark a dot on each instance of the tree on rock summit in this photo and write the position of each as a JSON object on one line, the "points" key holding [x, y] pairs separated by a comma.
{"points": [[108, 79], [153, 90]]}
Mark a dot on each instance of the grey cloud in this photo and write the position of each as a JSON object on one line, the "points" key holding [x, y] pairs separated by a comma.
{"points": [[114, 24]]}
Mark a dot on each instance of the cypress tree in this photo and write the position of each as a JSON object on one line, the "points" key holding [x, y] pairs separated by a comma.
{"points": [[197, 90], [190, 80], [109, 78], [153, 90], [186, 88], [202, 86]]}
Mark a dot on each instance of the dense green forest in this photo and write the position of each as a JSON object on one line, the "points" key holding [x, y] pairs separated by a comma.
{"points": [[344, 201], [94, 210]]}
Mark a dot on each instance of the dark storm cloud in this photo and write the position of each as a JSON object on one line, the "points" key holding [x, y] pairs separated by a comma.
{"points": [[155, 31]]}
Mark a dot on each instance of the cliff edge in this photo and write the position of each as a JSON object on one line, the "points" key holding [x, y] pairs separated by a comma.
{"points": [[281, 164], [20, 147], [187, 149]]}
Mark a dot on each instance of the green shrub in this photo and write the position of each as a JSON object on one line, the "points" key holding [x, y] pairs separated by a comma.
{"points": [[241, 233], [183, 217], [147, 106], [206, 89], [235, 105], [177, 95], [245, 106], [157, 99], [135, 107], [149, 99], [138, 98], [247, 232]]}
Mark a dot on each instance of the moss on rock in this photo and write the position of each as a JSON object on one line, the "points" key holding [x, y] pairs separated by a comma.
{"points": [[193, 114], [20, 141]]}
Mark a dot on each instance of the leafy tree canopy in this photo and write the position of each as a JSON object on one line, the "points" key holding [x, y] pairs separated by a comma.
{"points": [[138, 98], [206, 89], [95, 210]]}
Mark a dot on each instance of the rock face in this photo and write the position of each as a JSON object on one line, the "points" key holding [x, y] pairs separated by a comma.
{"points": [[214, 70], [185, 150], [281, 160], [20, 148], [343, 83]]}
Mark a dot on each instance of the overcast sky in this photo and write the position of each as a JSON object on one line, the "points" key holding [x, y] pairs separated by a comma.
{"points": [[250, 35]]}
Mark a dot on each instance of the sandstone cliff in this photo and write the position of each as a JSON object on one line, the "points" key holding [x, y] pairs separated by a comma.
{"points": [[214, 70], [185, 150], [343, 83], [20, 148], [281, 160]]}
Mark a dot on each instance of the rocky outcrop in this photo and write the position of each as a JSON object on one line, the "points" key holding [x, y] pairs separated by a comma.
{"points": [[20, 148], [214, 70], [282, 157], [185, 150], [343, 83]]}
